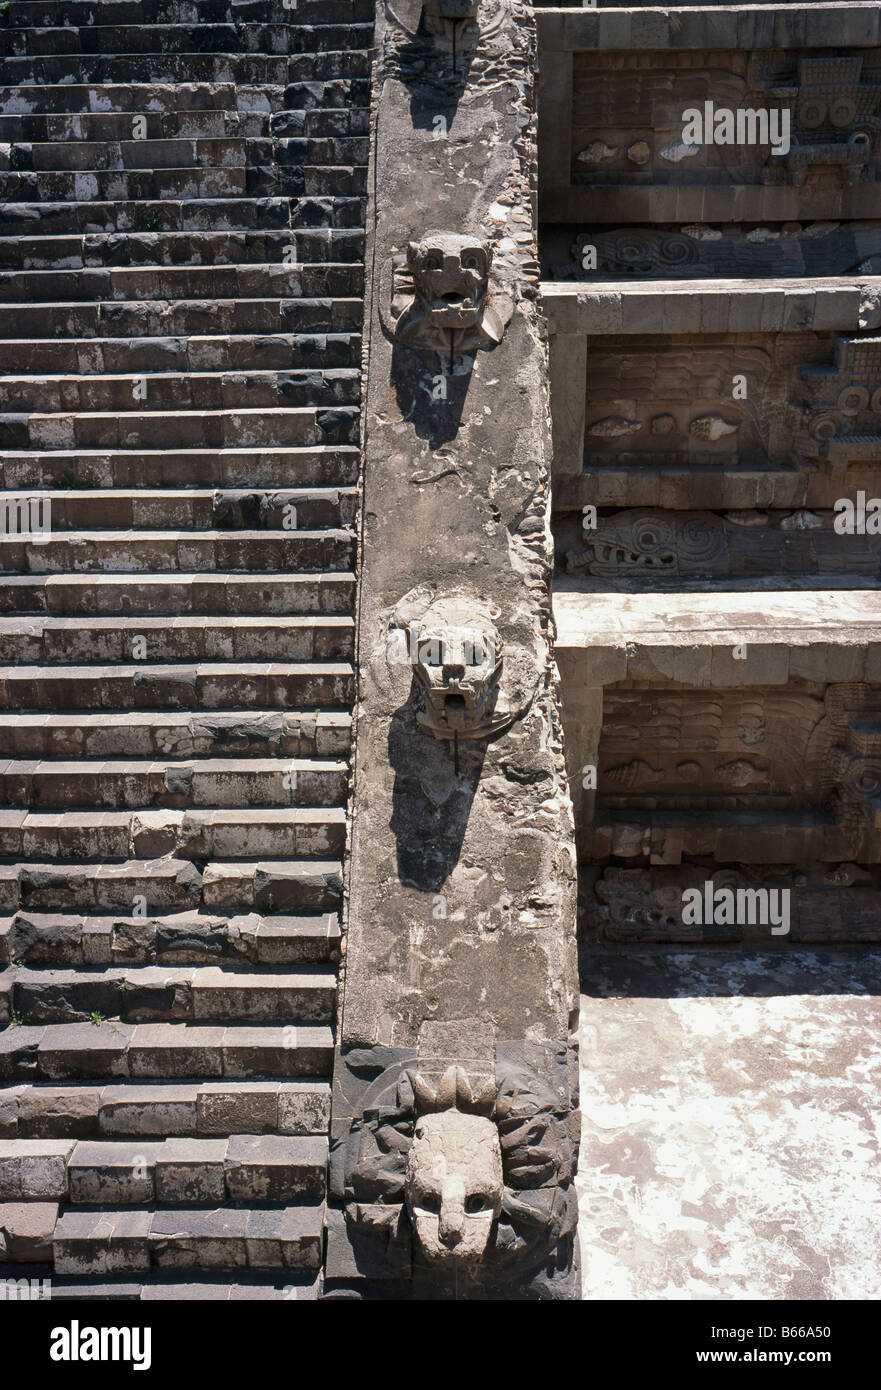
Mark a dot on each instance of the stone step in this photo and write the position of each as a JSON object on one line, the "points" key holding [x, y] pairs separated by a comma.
{"points": [[34, 1170], [101, 1242], [114, 39], [149, 319], [140, 886], [337, 78], [96, 156], [37, 187], [156, 885], [151, 734], [196, 509], [196, 1172], [26, 1230], [139, 284], [218, 123], [172, 994], [137, 784], [321, 352], [134, 185], [182, 215], [136, 97], [154, 1286], [173, 1171], [185, 938], [192, 833], [121, 125], [177, 469], [78, 641], [264, 685], [162, 1051], [340, 244], [171, 391], [261, 37], [259, 427], [236, 151], [317, 123], [168, 594], [234, 469], [36, 13], [133, 552], [183, 1111]]}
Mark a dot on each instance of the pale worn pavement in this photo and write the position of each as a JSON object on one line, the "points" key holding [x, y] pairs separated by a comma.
{"points": [[731, 1124]]}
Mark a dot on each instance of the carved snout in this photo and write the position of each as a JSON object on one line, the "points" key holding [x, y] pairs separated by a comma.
{"points": [[451, 1220]]}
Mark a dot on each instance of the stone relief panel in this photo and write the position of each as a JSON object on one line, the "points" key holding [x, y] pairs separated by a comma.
{"points": [[845, 750], [645, 545], [442, 298], [840, 405], [465, 1181], [825, 903], [468, 682], [790, 399], [628, 123], [700, 251], [710, 750], [730, 774]]}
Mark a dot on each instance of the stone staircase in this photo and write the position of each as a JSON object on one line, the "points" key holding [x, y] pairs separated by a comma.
{"points": [[181, 243]]}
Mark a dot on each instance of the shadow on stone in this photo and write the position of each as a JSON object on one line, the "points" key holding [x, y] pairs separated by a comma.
{"points": [[418, 377], [431, 803]]}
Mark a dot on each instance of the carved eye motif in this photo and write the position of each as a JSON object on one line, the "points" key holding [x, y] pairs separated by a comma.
{"points": [[842, 112], [476, 1203], [471, 261], [433, 261], [853, 399], [430, 1201]]}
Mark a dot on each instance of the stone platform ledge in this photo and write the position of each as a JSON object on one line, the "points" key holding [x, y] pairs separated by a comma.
{"points": [[693, 638], [708, 27], [833, 304]]}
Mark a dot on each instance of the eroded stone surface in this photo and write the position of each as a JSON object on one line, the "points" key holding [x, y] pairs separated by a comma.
{"points": [[730, 1143]]}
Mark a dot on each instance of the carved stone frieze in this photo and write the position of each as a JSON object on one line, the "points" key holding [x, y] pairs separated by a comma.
{"points": [[805, 400], [628, 121], [715, 749], [466, 1178], [461, 902], [841, 404], [442, 297], [648, 544], [826, 903], [731, 774], [468, 681], [704, 251], [848, 745]]}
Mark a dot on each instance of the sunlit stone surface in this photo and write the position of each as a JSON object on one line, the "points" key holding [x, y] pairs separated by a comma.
{"points": [[730, 1125]]}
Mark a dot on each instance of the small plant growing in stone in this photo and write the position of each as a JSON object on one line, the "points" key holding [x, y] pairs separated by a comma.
{"points": [[17, 1020], [96, 1017]]}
